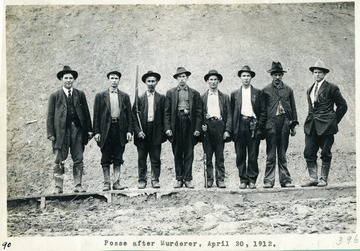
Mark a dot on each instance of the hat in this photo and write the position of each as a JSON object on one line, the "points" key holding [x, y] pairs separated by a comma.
{"points": [[181, 70], [213, 73], [114, 72], [149, 74], [319, 65], [66, 70], [276, 67], [246, 68]]}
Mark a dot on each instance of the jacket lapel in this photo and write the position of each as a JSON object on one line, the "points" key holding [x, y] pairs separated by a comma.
{"points": [[156, 100], [253, 96], [75, 97], [191, 94], [239, 98], [322, 87], [120, 99], [221, 101], [107, 100], [63, 97]]}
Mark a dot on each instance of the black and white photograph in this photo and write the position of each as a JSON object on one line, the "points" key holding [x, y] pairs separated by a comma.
{"points": [[179, 125]]}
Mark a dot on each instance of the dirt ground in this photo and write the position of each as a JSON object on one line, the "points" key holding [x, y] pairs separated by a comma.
{"points": [[95, 39]]}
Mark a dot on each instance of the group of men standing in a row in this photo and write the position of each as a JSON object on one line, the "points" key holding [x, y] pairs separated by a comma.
{"points": [[184, 117]]}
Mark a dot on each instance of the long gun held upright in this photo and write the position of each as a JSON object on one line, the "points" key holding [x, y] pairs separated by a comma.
{"points": [[137, 98], [205, 166]]}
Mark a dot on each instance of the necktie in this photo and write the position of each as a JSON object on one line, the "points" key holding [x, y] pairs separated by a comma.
{"points": [[69, 95], [315, 92]]}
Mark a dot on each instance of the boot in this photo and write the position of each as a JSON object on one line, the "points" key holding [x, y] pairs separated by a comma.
{"points": [[116, 185], [106, 171], [77, 172], [59, 170], [325, 169], [312, 169]]}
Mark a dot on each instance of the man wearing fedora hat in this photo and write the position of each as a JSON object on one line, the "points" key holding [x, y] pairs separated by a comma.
{"points": [[280, 117], [321, 123], [183, 108], [246, 112], [68, 127], [149, 131], [216, 126], [113, 128]]}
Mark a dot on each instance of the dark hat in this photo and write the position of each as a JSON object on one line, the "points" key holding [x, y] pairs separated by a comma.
{"points": [[319, 65], [149, 74], [114, 72], [66, 70], [181, 70], [246, 68], [276, 67], [213, 73]]}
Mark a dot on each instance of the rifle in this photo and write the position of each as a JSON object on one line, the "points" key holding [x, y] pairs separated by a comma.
{"points": [[137, 98], [205, 166]]}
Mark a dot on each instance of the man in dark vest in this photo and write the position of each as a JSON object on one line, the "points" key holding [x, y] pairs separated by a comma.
{"points": [[321, 123], [68, 127], [183, 110], [113, 128], [148, 118]]}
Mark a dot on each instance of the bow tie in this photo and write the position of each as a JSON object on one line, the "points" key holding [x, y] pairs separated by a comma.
{"points": [[113, 91]]}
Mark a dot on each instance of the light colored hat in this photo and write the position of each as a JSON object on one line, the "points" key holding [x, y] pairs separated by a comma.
{"points": [[319, 65]]}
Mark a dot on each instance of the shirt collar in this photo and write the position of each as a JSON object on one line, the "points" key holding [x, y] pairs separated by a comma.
{"points": [[115, 91], [66, 91], [214, 93], [185, 88], [322, 81], [281, 85], [150, 93]]}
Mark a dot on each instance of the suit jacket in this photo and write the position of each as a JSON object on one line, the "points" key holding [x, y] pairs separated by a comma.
{"points": [[57, 112], [102, 116], [225, 110], [171, 106], [236, 104], [158, 136], [322, 115]]}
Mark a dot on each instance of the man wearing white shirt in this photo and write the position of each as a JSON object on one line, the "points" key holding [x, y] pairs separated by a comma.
{"points": [[321, 124], [148, 118], [216, 126], [246, 112]]}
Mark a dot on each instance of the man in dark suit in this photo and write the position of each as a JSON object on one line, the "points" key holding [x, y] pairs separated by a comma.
{"points": [[148, 118], [246, 111], [280, 118], [113, 128], [321, 124], [216, 126], [183, 108], [68, 127]]}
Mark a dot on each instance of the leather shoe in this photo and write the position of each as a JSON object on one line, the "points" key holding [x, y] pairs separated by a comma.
{"points": [[79, 189], [268, 185], [322, 183], [209, 183], [287, 185], [178, 184], [142, 185], [106, 186], [252, 185], [220, 184], [155, 184], [117, 186], [310, 184], [189, 184], [58, 190], [242, 185]]}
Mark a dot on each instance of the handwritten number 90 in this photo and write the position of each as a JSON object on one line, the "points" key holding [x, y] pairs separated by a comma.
{"points": [[6, 244]]}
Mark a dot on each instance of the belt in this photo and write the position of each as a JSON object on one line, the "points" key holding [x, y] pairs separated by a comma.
{"points": [[214, 118], [247, 117], [184, 111], [114, 120]]}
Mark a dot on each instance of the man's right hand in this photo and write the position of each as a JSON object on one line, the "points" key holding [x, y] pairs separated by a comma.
{"points": [[52, 138], [141, 135], [97, 137], [168, 133]]}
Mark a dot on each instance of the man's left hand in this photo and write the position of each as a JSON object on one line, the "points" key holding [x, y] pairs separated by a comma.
{"points": [[226, 135], [90, 135], [293, 132], [197, 133], [129, 136]]}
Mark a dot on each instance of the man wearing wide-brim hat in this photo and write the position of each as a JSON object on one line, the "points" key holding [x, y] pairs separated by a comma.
{"points": [[217, 125], [113, 128], [68, 127], [149, 134], [280, 118], [183, 111], [321, 123], [246, 113]]}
